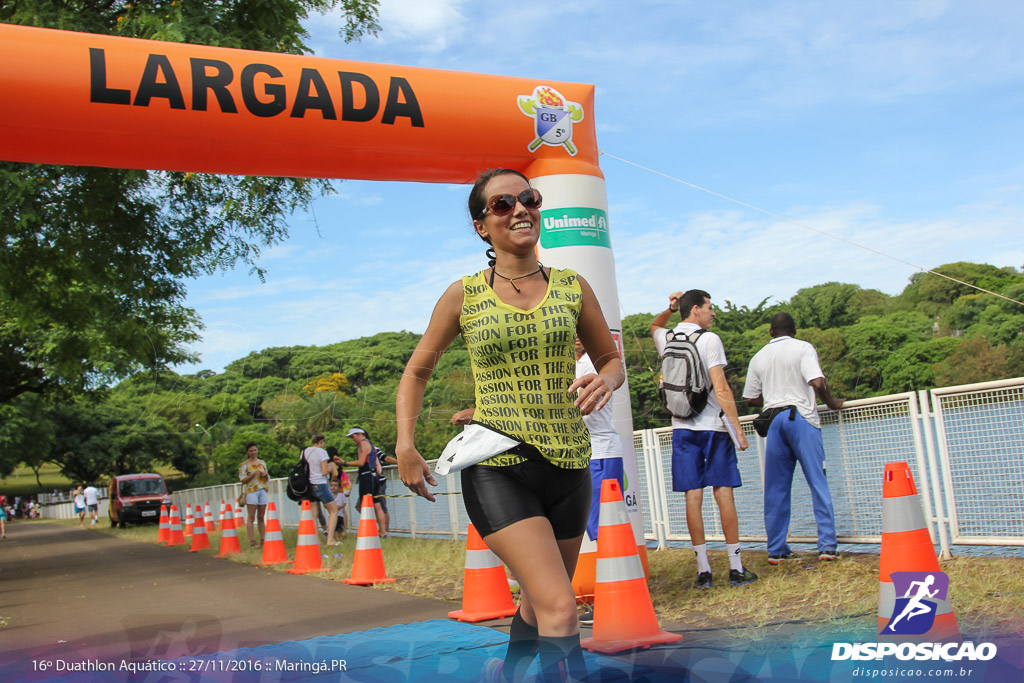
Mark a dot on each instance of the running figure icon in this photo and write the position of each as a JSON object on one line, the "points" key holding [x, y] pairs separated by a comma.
{"points": [[914, 606]]}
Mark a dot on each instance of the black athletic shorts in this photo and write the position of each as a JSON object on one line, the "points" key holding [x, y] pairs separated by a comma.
{"points": [[367, 486], [497, 497], [380, 491]]}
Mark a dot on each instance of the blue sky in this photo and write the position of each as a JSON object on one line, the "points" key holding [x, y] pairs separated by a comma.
{"points": [[894, 125]]}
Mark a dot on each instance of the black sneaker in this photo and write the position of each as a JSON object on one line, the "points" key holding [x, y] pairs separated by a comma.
{"points": [[741, 578], [703, 580], [587, 618], [828, 556], [779, 559]]}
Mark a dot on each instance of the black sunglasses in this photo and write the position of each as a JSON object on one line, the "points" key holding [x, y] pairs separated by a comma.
{"points": [[504, 204]]}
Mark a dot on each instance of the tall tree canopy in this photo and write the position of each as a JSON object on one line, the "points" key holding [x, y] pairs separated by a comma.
{"points": [[94, 260]]}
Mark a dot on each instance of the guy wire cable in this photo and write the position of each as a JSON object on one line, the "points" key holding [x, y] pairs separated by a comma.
{"points": [[811, 228]]}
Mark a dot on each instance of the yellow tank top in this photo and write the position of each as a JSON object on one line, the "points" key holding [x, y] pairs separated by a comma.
{"points": [[523, 363]]}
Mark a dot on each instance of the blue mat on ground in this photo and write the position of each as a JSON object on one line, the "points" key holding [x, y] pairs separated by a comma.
{"points": [[437, 650]]}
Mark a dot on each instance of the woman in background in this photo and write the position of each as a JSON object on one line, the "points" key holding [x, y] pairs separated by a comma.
{"points": [[255, 479]]}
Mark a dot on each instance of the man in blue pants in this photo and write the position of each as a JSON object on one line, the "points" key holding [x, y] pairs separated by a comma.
{"points": [[785, 376]]}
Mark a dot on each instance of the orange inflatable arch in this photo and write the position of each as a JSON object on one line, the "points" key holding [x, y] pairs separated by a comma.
{"points": [[78, 98], [94, 100]]}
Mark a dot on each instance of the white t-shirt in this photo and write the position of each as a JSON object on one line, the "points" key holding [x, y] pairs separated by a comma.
{"points": [[314, 456], [781, 372], [712, 354], [604, 440], [80, 501], [91, 495], [341, 500]]}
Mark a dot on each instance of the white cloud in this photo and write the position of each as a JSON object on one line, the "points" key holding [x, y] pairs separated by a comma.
{"points": [[432, 25], [744, 258]]}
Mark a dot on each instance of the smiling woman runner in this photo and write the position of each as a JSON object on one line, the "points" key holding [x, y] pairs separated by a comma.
{"points": [[519, 320]]}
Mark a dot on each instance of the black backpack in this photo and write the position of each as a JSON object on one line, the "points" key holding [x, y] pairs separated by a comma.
{"points": [[684, 386], [298, 479]]}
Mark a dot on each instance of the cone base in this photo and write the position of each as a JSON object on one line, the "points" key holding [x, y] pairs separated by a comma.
{"points": [[612, 646], [228, 553], [366, 582], [196, 550], [473, 617], [270, 562], [309, 571]]}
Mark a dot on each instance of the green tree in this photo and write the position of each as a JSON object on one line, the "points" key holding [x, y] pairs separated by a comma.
{"points": [[94, 260], [912, 366], [823, 306], [99, 439], [26, 435], [932, 294], [229, 455], [973, 360]]}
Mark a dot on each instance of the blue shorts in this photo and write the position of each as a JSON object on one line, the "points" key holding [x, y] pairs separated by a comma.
{"points": [[257, 497], [321, 492], [702, 459], [601, 469]]}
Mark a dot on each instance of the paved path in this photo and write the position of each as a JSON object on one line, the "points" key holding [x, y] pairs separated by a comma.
{"points": [[79, 594]]}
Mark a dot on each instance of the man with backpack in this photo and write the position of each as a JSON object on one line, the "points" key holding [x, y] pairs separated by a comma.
{"points": [[696, 392], [784, 378]]}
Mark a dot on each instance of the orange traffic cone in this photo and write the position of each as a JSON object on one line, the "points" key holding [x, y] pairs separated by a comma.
{"points": [[368, 561], [228, 536], [174, 534], [189, 522], [485, 590], [909, 576], [208, 517], [165, 526], [623, 614], [200, 540], [274, 551], [240, 521], [307, 549], [220, 515]]}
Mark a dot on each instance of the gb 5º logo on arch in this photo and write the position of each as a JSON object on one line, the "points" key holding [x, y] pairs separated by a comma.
{"points": [[553, 117]]}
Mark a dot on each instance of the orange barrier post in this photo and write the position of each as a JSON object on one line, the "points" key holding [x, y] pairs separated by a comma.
{"points": [[368, 561], [208, 517], [908, 559], [165, 525], [307, 549], [200, 539], [220, 515], [228, 536], [174, 534], [274, 551], [623, 614], [189, 522], [485, 590]]}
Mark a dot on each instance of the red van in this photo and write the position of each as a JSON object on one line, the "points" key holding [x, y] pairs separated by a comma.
{"points": [[136, 498]]}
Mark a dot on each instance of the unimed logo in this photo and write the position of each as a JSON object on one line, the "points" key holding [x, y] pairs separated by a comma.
{"points": [[947, 652]]}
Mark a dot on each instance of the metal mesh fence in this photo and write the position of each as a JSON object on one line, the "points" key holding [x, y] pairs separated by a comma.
{"points": [[981, 443], [979, 432]]}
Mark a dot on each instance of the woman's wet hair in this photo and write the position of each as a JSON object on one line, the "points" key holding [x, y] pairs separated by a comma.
{"points": [[477, 200], [250, 445], [316, 438]]}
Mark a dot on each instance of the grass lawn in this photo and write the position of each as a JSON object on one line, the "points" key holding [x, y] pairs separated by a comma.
{"points": [[986, 592]]}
